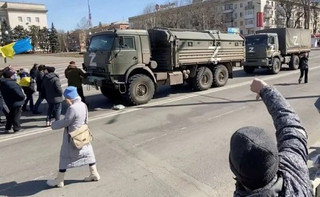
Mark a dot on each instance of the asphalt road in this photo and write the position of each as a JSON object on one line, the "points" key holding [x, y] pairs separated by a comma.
{"points": [[176, 145]]}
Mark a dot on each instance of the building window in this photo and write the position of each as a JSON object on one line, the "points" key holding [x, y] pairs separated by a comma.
{"points": [[241, 5], [28, 19], [235, 24], [249, 22], [228, 7], [20, 18], [241, 23], [235, 6], [235, 15], [240, 14], [37, 19]]}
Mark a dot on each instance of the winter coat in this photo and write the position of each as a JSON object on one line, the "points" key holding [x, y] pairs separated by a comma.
{"points": [[39, 79], [70, 156], [34, 72], [74, 76], [303, 64], [12, 93], [51, 88], [293, 152]]}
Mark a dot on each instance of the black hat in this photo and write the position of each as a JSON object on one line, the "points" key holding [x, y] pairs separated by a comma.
{"points": [[8, 73], [253, 157], [50, 69]]}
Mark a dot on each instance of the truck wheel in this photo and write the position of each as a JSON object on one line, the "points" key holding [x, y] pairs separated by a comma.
{"points": [[294, 62], [140, 89], [276, 66], [248, 69], [203, 79], [110, 93], [220, 75]]}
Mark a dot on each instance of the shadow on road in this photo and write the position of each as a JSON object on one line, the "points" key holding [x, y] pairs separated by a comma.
{"points": [[313, 170], [28, 188]]}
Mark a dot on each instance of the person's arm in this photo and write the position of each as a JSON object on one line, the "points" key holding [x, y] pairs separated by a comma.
{"points": [[291, 135], [66, 121], [66, 72]]}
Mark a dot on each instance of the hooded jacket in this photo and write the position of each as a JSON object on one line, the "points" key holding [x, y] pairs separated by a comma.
{"points": [[51, 88], [292, 146], [12, 93]]}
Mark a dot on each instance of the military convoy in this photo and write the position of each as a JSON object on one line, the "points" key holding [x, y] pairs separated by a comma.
{"points": [[133, 63], [270, 48]]}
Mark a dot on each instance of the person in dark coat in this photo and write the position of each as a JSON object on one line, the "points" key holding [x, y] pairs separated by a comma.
{"points": [[39, 78], [51, 88], [304, 68], [34, 71], [14, 99], [74, 76], [264, 168], [3, 107]]}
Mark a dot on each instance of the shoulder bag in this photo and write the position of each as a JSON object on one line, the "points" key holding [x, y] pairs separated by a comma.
{"points": [[81, 136]]}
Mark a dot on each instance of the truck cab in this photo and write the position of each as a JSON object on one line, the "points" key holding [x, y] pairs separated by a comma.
{"points": [[260, 51]]}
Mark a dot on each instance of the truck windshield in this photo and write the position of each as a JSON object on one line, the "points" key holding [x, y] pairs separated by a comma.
{"points": [[101, 43], [257, 40]]}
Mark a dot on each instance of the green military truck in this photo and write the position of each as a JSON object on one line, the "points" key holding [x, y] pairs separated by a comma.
{"points": [[133, 63], [270, 48]]}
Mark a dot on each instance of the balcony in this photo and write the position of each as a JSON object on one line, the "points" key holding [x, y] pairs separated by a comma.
{"points": [[267, 15], [249, 16], [228, 10], [249, 26]]}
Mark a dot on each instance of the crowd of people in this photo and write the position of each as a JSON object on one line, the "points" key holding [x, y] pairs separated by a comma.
{"points": [[17, 88]]}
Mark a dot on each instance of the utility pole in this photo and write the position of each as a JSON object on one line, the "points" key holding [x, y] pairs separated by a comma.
{"points": [[89, 21]]}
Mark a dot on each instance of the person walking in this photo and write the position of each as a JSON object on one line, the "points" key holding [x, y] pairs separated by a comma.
{"points": [[14, 98], [52, 90], [28, 86], [70, 156], [34, 71], [264, 168], [304, 68], [74, 76], [39, 78]]}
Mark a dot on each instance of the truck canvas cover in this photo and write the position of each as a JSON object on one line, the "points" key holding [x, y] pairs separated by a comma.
{"points": [[291, 40], [174, 48]]}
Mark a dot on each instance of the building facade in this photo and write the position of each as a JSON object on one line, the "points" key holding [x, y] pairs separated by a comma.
{"points": [[247, 15], [24, 14]]}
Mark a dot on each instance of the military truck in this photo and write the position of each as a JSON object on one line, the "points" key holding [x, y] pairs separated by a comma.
{"points": [[270, 48], [133, 63]]}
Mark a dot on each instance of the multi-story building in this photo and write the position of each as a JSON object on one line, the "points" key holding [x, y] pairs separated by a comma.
{"points": [[24, 14], [247, 15]]}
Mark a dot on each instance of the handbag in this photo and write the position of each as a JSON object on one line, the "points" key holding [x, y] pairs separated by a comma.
{"points": [[81, 136]]}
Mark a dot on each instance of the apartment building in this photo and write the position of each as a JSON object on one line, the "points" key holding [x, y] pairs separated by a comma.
{"points": [[24, 14]]}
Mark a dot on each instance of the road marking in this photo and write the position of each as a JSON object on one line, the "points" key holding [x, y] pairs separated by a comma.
{"points": [[156, 103]]}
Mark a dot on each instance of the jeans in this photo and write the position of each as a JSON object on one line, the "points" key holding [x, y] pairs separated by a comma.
{"points": [[80, 92], [29, 98], [13, 119], [54, 110], [302, 72], [39, 101]]}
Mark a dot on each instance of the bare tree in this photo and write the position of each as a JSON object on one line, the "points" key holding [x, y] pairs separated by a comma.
{"points": [[150, 8], [284, 12], [83, 24]]}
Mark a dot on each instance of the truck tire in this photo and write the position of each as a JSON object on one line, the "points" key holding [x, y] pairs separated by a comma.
{"points": [[220, 75], [110, 93], [248, 69], [294, 62], [276, 66], [203, 79], [140, 89]]}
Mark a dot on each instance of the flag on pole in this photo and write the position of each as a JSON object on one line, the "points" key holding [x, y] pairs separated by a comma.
{"points": [[17, 47]]}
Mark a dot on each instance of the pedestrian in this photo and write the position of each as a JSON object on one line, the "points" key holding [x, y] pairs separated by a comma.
{"points": [[39, 78], [304, 68], [264, 168], [3, 108], [70, 156], [52, 90], [14, 98], [34, 71], [28, 86], [74, 76]]}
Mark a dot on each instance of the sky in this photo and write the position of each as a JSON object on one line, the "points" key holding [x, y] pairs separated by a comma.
{"points": [[67, 14]]}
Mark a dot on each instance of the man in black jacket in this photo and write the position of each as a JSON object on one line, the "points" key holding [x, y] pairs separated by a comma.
{"points": [[14, 99], [304, 68], [39, 78], [264, 168]]}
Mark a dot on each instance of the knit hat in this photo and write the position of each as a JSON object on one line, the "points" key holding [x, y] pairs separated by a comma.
{"points": [[50, 69], [71, 92], [8, 73], [253, 157]]}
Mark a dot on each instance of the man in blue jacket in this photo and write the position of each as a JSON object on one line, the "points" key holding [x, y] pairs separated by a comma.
{"points": [[14, 98], [264, 168]]}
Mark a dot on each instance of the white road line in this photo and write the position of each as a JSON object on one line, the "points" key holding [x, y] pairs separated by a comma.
{"points": [[151, 104]]}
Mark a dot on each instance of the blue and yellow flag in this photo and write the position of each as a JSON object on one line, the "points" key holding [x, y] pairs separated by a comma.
{"points": [[17, 47]]}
